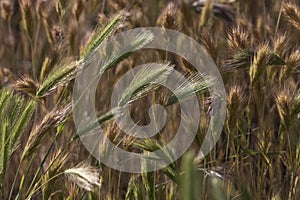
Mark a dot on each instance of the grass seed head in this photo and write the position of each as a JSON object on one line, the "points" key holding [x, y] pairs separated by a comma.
{"points": [[281, 44], [293, 60], [26, 85], [167, 18], [260, 63], [85, 176], [27, 17], [51, 119], [238, 38], [283, 100], [292, 12]]}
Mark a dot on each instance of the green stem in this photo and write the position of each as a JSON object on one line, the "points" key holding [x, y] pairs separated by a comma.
{"points": [[30, 195], [14, 182], [43, 161], [278, 21], [25, 177]]}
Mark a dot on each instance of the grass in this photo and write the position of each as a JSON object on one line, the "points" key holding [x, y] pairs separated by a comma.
{"points": [[44, 44]]}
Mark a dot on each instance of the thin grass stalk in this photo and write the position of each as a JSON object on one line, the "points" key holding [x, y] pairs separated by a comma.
{"points": [[14, 182], [278, 21], [29, 197], [15, 178], [149, 181], [206, 13], [151, 145], [24, 177], [135, 190], [55, 166], [59, 130]]}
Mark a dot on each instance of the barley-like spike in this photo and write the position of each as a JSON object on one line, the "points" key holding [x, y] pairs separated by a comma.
{"points": [[51, 119], [292, 13], [283, 99], [4, 154], [99, 35], [22, 122], [61, 74], [134, 41], [145, 81], [260, 63], [187, 88], [14, 117], [236, 103], [295, 110], [5, 99], [281, 45]]}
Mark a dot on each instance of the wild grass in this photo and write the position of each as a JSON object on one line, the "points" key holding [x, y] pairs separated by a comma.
{"points": [[45, 44]]}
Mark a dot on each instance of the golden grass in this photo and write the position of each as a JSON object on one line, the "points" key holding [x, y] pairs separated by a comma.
{"points": [[255, 44]]}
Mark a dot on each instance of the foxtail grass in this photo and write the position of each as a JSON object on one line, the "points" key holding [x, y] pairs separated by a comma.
{"points": [[84, 176]]}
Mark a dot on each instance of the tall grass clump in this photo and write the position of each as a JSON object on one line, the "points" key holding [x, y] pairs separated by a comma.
{"points": [[15, 115], [44, 45]]}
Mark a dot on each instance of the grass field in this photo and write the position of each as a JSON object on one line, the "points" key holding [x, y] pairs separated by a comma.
{"points": [[45, 44]]}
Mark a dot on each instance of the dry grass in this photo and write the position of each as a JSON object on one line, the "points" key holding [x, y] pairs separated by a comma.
{"points": [[255, 44]]}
